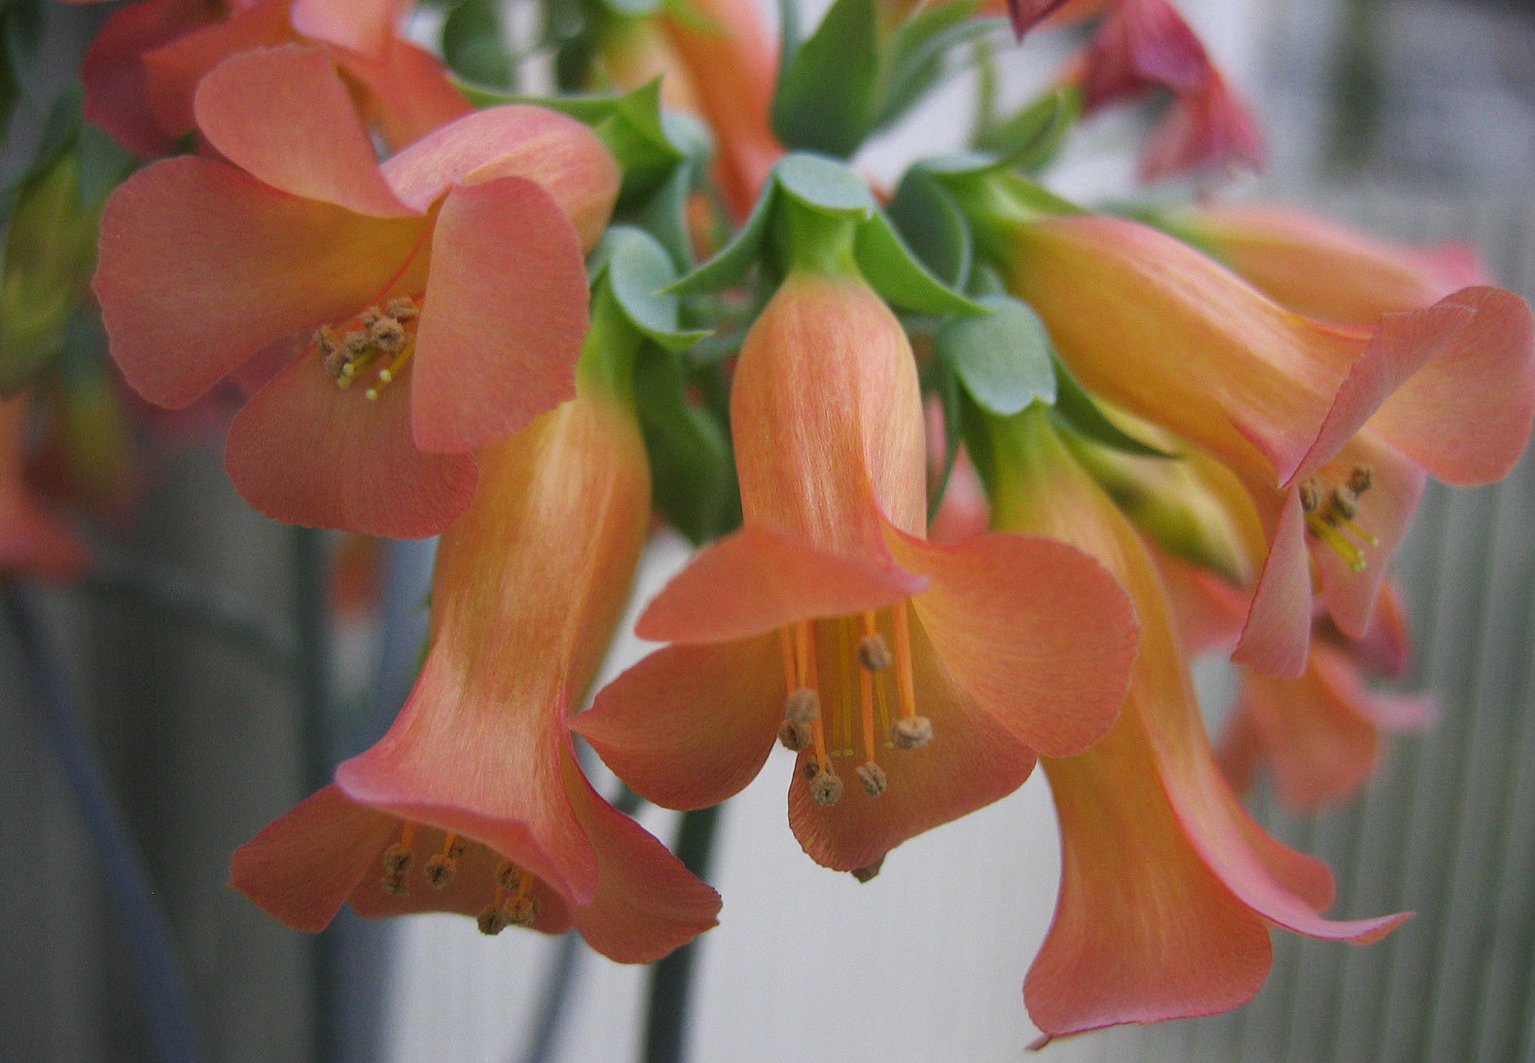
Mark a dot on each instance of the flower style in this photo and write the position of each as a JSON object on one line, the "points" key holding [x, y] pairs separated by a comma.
{"points": [[930, 673], [473, 802], [452, 272], [1167, 887], [142, 70], [33, 541], [1332, 429]]}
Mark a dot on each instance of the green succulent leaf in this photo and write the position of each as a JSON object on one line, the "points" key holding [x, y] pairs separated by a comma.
{"points": [[894, 271], [932, 225], [474, 44], [828, 89], [637, 269], [1004, 359], [1076, 410], [917, 59], [692, 476]]}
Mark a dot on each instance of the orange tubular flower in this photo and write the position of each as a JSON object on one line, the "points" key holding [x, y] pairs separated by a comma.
{"points": [[33, 542], [473, 802], [1168, 888], [454, 270], [1331, 428], [929, 673], [143, 68]]}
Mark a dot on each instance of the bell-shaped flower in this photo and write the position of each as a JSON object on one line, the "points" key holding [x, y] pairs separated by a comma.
{"points": [[1331, 428], [474, 802], [142, 70], [915, 680], [1168, 889], [33, 540], [1327, 271], [407, 313]]}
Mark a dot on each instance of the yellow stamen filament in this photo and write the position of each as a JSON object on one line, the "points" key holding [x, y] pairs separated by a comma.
{"points": [[392, 372], [1330, 515], [790, 670], [844, 707], [866, 693], [905, 684]]}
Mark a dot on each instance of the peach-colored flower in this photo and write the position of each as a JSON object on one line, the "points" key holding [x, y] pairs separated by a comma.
{"points": [[453, 272], [928, 673], [473, 802], [1331, 428], [1168, 889], [142, 70]]}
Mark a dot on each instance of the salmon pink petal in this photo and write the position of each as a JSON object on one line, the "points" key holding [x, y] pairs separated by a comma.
{"points": [[690, 726], [757, 580], [1143, 931], [504, 316], [515, 802], [1141, 45], [173, 70], [971, 762], [1210, 611], [1207, 129], [284, 116], [1466, 415], [1386, 647], [116, 85], [365, 26], [1278, 629], [302, 868], [407, 95], [1240, 751], [1320, 751], [1384, 512], [305, 452], [1036, 631], [647, 903], [558, 153], [201, 267]]}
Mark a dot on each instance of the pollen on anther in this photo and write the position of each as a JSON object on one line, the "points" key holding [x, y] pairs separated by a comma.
{"points": [[508, 876], [873, 778], [794, 736], [492, 920], [810, 768], [440, 870], [1361, 479], [521, 911], [802, 706], [874, 654], [1310, 496], [397, 859], [395, 885], [912, 732], [826, 789]]}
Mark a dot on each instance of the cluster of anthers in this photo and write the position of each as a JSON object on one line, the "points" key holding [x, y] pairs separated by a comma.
{"points": [[1330, 515], [387, 335], [512, 904], [821, 714]]}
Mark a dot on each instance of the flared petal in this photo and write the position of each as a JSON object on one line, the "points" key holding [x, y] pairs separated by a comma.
{"points": [[757, 580], [406, 95], [1386, 647], [1038, 633], [827, 418], [305, 452], [174, 69], [1207, 129], [690, 726], [284, 116], [647, 903], [116, 84], [1209, 610], [504, 316], [1143, 930], [201, 267], [304, 866], [1278, 629], [970, 762], [1140, 45], [364, 26], [559, 154]]}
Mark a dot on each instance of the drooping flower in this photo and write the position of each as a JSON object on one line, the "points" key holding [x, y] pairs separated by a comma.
{"points": [[928, 673], [474, 802], [142, 70], [1331, 428], [1168, 889], [452, 272], [33, 540]]}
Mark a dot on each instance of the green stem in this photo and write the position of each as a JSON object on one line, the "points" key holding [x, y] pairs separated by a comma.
{"points": [[671, 979]]}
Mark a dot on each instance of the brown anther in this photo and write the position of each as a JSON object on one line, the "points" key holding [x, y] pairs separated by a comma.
{"points": [[912, 732], [874, 654], [1310, 496], [1345, 502], [826, 789], [520, 911], [873, 778], [810, 768], [440, 870], [397, 859], [455, 850], [508, 876], [493, 920], [868, 871], [369, 316], [395, 886], [1361, 479], [355, 341], [802, 706], [387, 335], [402, 308], [793, 736]]}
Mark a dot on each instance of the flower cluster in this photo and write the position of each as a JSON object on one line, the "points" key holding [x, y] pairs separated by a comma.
{"points": [[446, 312]]}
